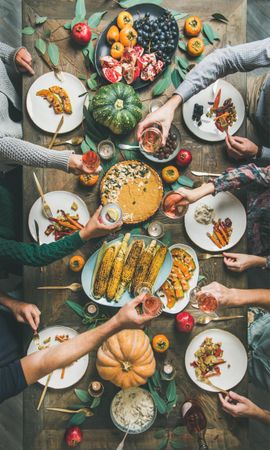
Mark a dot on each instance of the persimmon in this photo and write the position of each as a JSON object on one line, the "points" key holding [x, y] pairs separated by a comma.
{"points": [[124, 19], [193, 26], [76, 263], [170, 174], [117, 50], [160, 343], [88, 179], [112, 34], [195, 46], [128, 36]]}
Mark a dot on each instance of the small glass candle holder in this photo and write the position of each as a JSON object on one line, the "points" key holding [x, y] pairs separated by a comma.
{"points": [[154, 105], [168, 371], [91, 310], [156, 229], [106, 149], [95, 389], [171, 206]]}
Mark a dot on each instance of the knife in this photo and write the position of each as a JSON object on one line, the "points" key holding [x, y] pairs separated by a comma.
{"points": [[59, 126], [37, 231], [205, 174]]}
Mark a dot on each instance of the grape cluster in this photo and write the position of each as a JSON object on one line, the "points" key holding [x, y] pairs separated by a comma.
{"points": [[169, 148]]}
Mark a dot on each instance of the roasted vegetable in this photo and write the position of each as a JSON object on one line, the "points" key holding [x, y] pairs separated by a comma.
{"points": [[54, 101], [129, 268], [143, 265], [116, 272], [103, 273], [156, 265]]}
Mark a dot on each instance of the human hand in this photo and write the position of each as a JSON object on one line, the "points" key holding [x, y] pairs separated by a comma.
{"points": [[240, 148], [23, 61], [225, 296], [77, 166], [26, 313], [94, 228], [238, 262], [163, 116], [128, 316], [243, 408]]}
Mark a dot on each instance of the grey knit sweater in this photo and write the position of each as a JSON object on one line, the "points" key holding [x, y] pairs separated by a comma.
{"points": [[13, 150]]}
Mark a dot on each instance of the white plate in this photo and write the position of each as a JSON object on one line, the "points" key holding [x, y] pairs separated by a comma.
{"points": [[234, 353], [45, 117], [73, 373], [56, 200], [225, 205], [183, 302], [89, 267], [208, 131]]}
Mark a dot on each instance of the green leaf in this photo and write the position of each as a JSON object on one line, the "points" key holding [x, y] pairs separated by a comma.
{"points": [[160, 403], [77, 19], [175, 76], [162, 84], [220, 17], [95, 402], [178, 15], [156, 379], [91, 51], [129, 3], [163, 444], [53, 52], [182, 45], [205, 41], [178, 431], [90, 142], [83, 395], [78, 406], [149, 333], [94, 36], [160, 434], [81, 76], [167, 238], [40, 20], [198, 59], [77, 419], [78, 309], [177, 444], [40, 45], [84, 147], [95, 19], [209, 32], [201, 278], [171, 391], [80, 9], [67, 26], [47, 33], [92, 82], [28, 31], [182, 63], [185, 181], [181, 72]]}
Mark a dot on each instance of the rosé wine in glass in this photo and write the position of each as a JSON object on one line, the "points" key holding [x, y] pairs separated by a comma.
{"points": [[91, 160], [171, 207]]}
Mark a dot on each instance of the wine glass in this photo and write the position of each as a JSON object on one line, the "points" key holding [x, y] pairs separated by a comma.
{"points": [[203, 300], [151, 139], [151, 304], [171, 206]]}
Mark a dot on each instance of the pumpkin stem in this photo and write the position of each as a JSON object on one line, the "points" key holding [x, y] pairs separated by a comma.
{"points": [[126, 366], [119, 104]]}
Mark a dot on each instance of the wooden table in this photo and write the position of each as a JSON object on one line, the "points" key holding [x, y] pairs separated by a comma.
{"points": [[45, 430]]}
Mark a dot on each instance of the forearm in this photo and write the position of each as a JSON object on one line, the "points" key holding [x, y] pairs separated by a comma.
{"points": [[17, 151], [250, 297], [262, 415], [6, 52], [41, 363], [6, 301], [242, 176]]}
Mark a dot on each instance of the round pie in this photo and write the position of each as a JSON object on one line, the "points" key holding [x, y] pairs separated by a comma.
{"points": [[135, 187]]}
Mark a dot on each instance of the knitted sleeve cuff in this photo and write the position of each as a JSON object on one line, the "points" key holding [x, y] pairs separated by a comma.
{"points": [[59, 159], [185, 90]]}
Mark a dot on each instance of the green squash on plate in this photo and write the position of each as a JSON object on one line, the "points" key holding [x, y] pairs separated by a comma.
{"points": [[118, 107]]}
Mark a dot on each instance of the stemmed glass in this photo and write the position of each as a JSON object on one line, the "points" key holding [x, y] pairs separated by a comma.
{"points": [[151, 304], [203, 300]]}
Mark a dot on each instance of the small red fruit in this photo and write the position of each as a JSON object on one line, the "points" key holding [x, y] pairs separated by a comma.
{"points": [[73, 436], [81, 33], [184, 322], [183, 158]]}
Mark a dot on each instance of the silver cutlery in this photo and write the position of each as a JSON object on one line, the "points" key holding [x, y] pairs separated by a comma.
{"points": [[205, 174], [45, 205], [127, 146], [59, 126], [204, 320], [74, 287], [76, 140], [203, 256], [38, 239]]}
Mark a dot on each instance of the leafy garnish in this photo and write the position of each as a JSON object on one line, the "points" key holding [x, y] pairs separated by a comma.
{"points": [[40, 20], [95, 19], [53, 52], [220, 17], [28, 31], [175, 76], [40, 45], [163, 84]]}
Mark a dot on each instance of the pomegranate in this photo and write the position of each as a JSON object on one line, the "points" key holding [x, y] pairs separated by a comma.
{"points": [[113, 75], [183, 158], [73, 436], [184, 322], [81, 33]]}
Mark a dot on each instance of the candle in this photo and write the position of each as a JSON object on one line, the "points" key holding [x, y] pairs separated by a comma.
{"points": [[95, 389], [156, 229], [91, 309], [106, 149], [168, 371]]}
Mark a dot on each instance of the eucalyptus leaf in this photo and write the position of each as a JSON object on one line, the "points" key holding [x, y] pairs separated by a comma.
{"points": [[209, 32], [77, 19], [40, 45], [167, 238], [83, 395], [163, 83], [84, 149], [160, 434], [178, 431], [128, 3], [178, 15], [28, 31], [177, 444], [78, 309], [67, 26], [201, 278], [176, 79], [95, 19], [90, 142], [53, 52], [77, 419], [182, 62], [220, 17], [181, 72], [163, 444], [160, 403], [81, 76], [156, 379], [182, 45], [94, 36], [205, 41], [40, 20], [47, 33], [80, 8], [198, 59], [171, 391], [91, 52], [92, 82], [96, 402]]}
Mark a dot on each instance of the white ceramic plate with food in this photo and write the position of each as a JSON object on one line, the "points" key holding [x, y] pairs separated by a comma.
{"points": [[57, 200], [207, 130], [89, 271], [39, 108], [225, 205], [181, 303], [72, 374], [234, 354]]}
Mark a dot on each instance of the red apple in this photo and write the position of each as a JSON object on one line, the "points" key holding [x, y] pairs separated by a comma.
{"points": [[81, 33], [184, 322], [183, 158], [73, 436]]}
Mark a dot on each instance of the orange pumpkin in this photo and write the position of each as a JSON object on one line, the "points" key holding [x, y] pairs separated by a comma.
{"points": [[124, 19], [117, 50], [76, 263], [160, 343], [113, 34], [195, 46], [193, 26], [128, 36], [88, 179], [126, 359]]}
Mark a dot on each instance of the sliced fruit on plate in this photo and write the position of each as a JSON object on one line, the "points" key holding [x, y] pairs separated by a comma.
{"points": [[113, 75]]}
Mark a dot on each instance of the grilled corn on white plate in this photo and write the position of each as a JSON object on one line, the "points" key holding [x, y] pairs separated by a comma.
{"points": [[89, 272]]}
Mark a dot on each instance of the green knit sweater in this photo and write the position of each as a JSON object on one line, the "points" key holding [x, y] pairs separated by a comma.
{"points": [[19, 253]]}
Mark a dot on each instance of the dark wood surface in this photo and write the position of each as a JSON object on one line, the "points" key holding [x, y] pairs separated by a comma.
{"points": [[44, 430]]}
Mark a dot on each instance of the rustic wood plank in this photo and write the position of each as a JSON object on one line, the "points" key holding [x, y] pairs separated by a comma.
{"points": [[45, 430]]}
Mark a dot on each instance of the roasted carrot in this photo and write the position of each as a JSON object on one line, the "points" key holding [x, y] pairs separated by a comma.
{"points": [[213, 239], [222, 116], [67, 225], [217, 100], [74, 222], [62, 373], [219, 237]]}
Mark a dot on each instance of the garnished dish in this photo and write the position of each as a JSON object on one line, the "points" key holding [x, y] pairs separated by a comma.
{"points": [[208, 358], [135, 187], [204, 214], [58, 99], [222, 230], [133, 409], [224, 115], [64, 224]]}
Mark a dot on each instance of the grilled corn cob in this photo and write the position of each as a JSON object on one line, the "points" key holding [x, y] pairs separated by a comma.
{"points": [[103, 273], [156, 264], [129, 267], [143, 265], [117, 269]]}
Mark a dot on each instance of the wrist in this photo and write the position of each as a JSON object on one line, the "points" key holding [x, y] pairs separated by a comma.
{"points": [[258, 261], [85, 234], [258, 153], [203, 190], [175, 101], [72, 162]]}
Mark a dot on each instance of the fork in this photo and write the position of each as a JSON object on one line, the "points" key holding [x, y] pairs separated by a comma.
{"points": [[46, 207], [203, 256], [209, 383]]}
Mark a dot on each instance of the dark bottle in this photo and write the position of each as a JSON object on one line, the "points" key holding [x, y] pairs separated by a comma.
{"points": [[195, 421]]}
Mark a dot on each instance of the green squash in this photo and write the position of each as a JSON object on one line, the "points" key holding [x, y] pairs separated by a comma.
{"points": [[118, 107]]}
